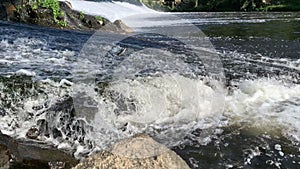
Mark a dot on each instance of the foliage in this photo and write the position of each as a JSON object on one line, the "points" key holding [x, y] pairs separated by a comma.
{"points": [[81, 16], [283, 5], [62, 14], [157, 5], [227, 5], [49, 4], [62, 23], [99, 18]]}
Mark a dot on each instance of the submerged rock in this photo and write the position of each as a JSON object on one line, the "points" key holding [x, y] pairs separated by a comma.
{"points": [[135, 153]]}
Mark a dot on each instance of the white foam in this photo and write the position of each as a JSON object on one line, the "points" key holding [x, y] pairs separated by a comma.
{"points": [[168, 110], [157, 102], [111, 10], [22, 53], [267, 104], [25, 72], [4, 61]]}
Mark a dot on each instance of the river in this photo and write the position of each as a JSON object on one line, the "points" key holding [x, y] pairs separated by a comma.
{"points": [[220, 89]]}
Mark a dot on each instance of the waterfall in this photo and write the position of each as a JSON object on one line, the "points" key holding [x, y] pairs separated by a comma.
{"points": [[111, 10]]}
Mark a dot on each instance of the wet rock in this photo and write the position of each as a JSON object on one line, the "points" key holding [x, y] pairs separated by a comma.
{"points": [[56, 133], [32, 154], [118, 26], [122, 26], [57, 165], [4, 157], [40, 154], [65, 104], [39, 16], [135, 153], [11, 145], [32, 133], [67, 19], [80, 21], [2, 112], [67, 4]]}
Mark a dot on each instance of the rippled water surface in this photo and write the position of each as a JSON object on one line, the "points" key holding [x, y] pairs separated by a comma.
{"points": [[83, 92]]}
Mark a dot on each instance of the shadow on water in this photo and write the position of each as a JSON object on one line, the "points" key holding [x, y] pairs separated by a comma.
{"points": [[285, 30]]}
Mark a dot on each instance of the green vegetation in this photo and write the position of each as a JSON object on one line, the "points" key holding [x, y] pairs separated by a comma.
{"points": [[81, 16], [284, 5], [49, 4], [157, 5], [224, 5], [62, 23], [99, 18]]}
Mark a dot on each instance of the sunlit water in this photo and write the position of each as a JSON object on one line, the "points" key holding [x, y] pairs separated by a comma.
{"points": [[249, 120]]}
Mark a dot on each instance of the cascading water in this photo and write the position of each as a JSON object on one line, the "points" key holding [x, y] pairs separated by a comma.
{"points": [[112, 10], [84, 103]]}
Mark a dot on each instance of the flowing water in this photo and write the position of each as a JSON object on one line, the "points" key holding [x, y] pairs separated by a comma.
{"points": [[224, 97]]}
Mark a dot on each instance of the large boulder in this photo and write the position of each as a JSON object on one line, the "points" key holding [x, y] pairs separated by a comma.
{"points": [[67, 19], [30, 15], [140, 152], [31, 154]]}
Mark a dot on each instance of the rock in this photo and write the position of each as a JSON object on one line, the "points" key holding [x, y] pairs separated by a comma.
{"points": [[4, 157], [10, 9], [67, 18], [32, 133], [2, 112], [135, 153], [121, 25], [31, 154], [40, 154], [39, 16], [57, 165], [77, 20], [117, 27], [11, 145], [69, 4]]}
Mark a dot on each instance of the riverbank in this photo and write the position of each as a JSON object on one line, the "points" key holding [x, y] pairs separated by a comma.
{"points": [[41, 89], [223, 6], [56, 14]]}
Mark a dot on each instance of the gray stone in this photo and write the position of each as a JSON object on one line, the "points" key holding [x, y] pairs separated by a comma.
{"points": [[4, 157], [117, 27], [140, 152], [32, 154]]}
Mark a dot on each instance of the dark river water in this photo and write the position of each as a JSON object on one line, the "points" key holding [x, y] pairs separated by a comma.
{"points": [[220, 89]]}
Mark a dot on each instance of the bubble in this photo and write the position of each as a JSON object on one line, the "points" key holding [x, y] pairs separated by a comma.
{"points": [[160, 82]]}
